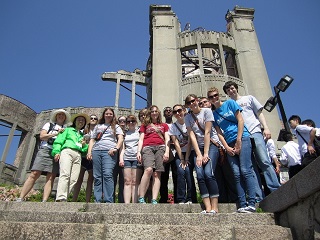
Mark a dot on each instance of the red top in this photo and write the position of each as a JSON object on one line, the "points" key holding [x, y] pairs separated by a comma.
{"points": [[151, 137]]}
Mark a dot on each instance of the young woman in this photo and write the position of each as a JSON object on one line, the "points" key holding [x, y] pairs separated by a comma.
{"points": [[44, 162], [199, 126], [236, 140], [86, 165], [67, 149], [118, 176], [106, 140], [153, 151], [186, 190], [128, 160]]}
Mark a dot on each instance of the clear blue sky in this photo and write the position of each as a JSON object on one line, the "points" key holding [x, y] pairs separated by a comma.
{"points": [[52, 53]]}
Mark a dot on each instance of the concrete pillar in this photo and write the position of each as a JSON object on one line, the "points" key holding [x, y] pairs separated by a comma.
{"points": [[8, 143], [116, 104], [250, 62], [133, 96], [166, 56]]}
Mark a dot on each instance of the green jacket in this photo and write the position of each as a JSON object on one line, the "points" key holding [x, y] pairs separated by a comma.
{"points": [[69, 139]]}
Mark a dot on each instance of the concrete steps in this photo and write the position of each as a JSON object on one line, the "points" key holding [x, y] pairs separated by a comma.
{"points": [[28, 220]]}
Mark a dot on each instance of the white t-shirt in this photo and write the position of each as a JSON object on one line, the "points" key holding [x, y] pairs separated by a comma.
{"points": [[304, 130], [205, 115], [182, 138], [290, 154], [108, 139], [131, 145], [250, 108], [54, 130], [271, 149]]}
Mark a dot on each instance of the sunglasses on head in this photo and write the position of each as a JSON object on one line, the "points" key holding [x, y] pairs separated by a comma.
{"points": [[191, 101], [213, 96], [177, 111], [93, 118], [131, 121]]}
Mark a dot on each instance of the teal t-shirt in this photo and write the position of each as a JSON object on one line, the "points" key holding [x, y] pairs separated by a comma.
{"points": [[225, 118]]}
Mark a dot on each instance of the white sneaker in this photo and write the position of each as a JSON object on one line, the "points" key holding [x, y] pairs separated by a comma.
{"points": [[189, 202], [19, 200], [181, 202], [248, 209]]}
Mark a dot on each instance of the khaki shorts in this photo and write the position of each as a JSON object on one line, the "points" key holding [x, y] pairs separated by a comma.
{"points": [[152, 156]]}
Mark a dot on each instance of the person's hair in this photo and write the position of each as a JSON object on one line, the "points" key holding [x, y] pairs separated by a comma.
{"points": [[228, 85], [166, 108], [212, 89], [178, 105], [203, 98], [187, 99], [142, 112], [295, 117], [74, 122], [113, 122], [131, 117], [121, 117], [309, 122], [147, 120], [287, 136], [87, 128]]}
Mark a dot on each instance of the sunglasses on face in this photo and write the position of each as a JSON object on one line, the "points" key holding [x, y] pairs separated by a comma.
{"points": [[168, 110], [93, 118], [177, 111], [122, 120], [191, 101], [203, 102], [131, 121], [213, 96]]}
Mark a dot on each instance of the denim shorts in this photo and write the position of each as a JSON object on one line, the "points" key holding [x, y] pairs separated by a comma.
{"points": [[130, 164]]}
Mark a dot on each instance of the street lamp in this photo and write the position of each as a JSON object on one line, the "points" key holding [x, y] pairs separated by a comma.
{"points": [[271, 103]]}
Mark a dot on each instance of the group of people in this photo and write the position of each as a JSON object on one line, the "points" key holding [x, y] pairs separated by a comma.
{"points": [[140, 155]]}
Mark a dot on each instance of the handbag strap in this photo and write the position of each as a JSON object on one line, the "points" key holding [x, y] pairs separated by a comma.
{"points": [[233, 122], [179, 129], [158, 131], [197, 122], [302, 137]]}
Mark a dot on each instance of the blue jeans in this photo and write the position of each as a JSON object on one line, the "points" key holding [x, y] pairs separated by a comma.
{"points": [[205, 174], [186, 189], [241, 166], [103, 166], [264, 163]]}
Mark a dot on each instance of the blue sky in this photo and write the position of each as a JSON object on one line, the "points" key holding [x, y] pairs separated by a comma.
{"points": [[52, 53]]}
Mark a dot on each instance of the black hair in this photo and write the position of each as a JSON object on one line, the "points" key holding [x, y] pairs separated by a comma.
{"points": [[228, 84], [309, 122], [287, 136], [295, 117], [74, 122]]}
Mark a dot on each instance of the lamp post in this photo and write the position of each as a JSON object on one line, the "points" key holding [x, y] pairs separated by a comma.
{"points": [[271, 103]]}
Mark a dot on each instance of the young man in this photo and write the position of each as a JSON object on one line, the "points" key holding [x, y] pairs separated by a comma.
{"points": [[305, 135], [167, 113], [253, 119], [290, 155]]}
